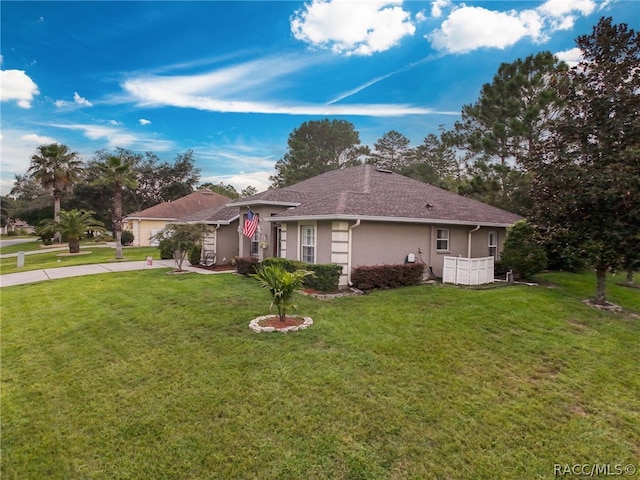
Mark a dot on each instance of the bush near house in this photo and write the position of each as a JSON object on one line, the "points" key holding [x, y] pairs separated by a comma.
{"points": [[387, 276], [126, 237], [325, 278], [166, 252], [195, 255], [247, 265], [522, 251]]}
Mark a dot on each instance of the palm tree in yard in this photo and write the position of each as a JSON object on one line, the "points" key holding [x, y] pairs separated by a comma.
{"points": [[117, 171], [73, 224], [56, 168]]}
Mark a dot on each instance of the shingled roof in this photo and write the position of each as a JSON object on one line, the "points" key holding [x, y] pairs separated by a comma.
{"points": [[370, 193], [187, 205]]}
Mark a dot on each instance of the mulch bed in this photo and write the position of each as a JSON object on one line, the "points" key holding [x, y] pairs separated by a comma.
{"points": [[216, 268], [275, 322]]}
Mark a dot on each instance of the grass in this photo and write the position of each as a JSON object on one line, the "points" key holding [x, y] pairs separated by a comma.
{"points": [[59, 258], [147, 375]]}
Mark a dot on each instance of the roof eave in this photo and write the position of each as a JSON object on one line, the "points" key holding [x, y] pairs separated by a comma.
{"points": [[210, 222], [248, 203], [162, 219], [439, 221]]}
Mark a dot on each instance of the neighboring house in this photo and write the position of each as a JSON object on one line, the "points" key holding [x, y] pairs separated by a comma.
{"points": [[17, 225], [370, 216], [147, 223], [220, 243]]}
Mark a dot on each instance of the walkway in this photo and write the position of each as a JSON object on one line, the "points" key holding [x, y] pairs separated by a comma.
{"points": [[31, 276]]}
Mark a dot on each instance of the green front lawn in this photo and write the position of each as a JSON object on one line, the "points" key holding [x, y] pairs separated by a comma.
{"points": [[60, 258], [146, 375]]}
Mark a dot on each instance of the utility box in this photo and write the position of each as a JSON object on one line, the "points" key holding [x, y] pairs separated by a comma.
{"points": [[20, 260]]}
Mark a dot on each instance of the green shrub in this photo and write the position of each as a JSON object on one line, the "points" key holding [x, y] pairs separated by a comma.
{"points": [[387, 276], [325, 278], [166, 250], [195, 255], [247, 265], [46, 235], [126, 237], [522, 250], [286, 264]]}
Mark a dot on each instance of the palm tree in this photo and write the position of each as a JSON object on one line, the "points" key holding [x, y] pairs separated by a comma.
{"points": [[281, 285], [56, 168], [118, 172], [73, 224]]}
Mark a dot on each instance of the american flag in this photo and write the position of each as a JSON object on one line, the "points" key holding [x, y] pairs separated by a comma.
{"points": [[250, 224]]}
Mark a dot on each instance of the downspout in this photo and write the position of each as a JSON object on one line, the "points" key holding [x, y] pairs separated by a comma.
{"points": [[469, 241], [215, 240], [349, 251]]}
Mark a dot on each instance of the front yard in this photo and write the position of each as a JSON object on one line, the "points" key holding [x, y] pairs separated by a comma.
{"points": [[145, 375]]}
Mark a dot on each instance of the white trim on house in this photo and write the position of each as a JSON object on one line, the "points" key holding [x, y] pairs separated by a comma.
{"points": [[340, 251]]}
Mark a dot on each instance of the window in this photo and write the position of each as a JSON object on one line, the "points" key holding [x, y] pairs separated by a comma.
{"points": [[253, 250], [493, 244], [442, 240], [308, 243], [153, 241]]}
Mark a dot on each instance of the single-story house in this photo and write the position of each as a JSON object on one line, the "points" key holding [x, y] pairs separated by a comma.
{"points": [[365, 215], [145, 224], [220, 243]]}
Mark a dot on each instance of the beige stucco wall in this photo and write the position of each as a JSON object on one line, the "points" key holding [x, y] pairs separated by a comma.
{"points": [[142, 230], [480, 241], [379, 243], [226, 243]]}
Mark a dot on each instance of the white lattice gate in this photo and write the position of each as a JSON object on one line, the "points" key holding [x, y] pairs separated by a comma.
{"points": [[468, 271]]}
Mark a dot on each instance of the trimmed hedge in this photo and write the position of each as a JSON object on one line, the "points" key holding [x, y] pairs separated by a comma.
{"points": [[247, 265], [325, 278], [387, 276]]}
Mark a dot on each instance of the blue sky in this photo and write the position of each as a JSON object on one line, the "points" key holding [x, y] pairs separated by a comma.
{"points": [[231, 80]]}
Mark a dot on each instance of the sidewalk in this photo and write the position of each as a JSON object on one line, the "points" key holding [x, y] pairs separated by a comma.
{"points": [[31, 276]]}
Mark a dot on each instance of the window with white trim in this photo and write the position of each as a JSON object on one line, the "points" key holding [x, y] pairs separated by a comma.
{"points": [[442, 239], [253, 249], [308, 243], [493, 244]]}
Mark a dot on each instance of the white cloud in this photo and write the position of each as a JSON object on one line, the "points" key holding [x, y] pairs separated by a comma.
{"points": [[437, 6], [240, 181], [114, 122], [38, 139], [77, 100], [116, 137], [468, 28], [16, 85], [17, 147], [238, 89], [560, 8], [144, 121], [352, 28], [571, 57]]}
